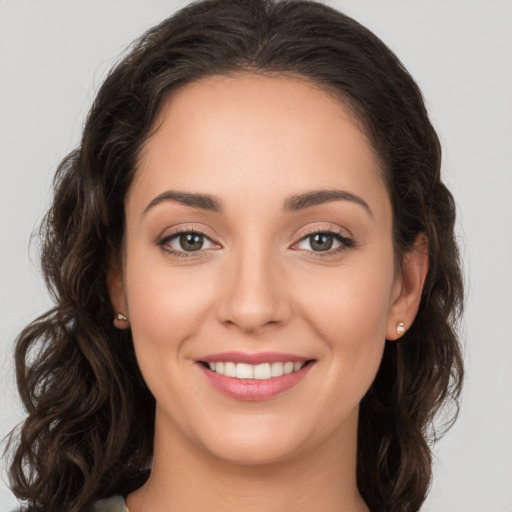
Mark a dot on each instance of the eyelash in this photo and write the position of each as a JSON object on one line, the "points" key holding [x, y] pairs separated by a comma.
{"points": [[164, 241], [344, 241]]}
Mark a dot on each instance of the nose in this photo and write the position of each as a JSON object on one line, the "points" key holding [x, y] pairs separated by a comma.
{"points": [[254, 295]]}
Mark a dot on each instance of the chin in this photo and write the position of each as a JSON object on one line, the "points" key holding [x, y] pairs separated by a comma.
{"points": [[250, 439], [244, 451]]}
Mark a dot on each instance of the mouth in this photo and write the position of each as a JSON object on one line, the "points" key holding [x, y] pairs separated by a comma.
{"points": [[251, 377], [262, 371]]}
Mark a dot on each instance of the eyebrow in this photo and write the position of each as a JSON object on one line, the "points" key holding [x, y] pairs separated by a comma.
{"points": [[294, 203], [302, 201], [202, 201]]}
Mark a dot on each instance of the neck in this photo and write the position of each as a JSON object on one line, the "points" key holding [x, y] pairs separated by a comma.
{"points": [[185, 477]]}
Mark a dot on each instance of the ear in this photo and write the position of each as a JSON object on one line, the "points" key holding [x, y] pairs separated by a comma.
{"points": [[116, 291], [408, 288]]}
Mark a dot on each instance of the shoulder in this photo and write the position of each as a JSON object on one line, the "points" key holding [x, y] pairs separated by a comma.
{"points": [[112, 504]]}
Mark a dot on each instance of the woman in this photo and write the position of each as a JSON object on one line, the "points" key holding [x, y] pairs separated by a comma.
{"points": [[255, 274]]}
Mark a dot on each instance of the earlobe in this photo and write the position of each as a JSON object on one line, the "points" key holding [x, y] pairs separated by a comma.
{"points": [[116, 291], [411, 282]]}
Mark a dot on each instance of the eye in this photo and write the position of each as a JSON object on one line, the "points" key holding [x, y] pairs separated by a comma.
{"points": [[323, 241], [186, 242]]}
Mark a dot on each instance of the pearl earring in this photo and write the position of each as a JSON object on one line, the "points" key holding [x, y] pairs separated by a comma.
{"points": [[400, 329], [121, 317]]}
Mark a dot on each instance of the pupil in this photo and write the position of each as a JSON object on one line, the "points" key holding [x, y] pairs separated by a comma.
{"points": [[321, 242], [191, 242]]}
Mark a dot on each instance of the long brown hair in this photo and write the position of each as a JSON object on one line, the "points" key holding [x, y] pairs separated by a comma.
{"points": [[89, 430]]}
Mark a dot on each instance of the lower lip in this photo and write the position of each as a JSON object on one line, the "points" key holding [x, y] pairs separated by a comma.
{"points": [[255, 389]]}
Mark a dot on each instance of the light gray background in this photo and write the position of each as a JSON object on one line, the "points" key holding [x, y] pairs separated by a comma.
{"points": [[53, 55]]}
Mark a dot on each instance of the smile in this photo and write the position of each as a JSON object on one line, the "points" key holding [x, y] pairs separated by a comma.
{"points": [[254, 371], [254, 377]]}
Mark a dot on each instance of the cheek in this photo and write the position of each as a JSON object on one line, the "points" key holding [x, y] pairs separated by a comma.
{"points": [[349, 313], [166, 311], [356, 297], [166, 307]]}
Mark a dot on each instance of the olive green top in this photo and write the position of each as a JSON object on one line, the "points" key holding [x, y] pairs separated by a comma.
{"points": [[112, 504]]}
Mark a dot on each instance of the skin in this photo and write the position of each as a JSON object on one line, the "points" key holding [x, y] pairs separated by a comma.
{"points": [[257, 285]]}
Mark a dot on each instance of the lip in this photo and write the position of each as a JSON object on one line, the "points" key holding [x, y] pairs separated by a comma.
{"points": [[254, 389], [257, 358]]}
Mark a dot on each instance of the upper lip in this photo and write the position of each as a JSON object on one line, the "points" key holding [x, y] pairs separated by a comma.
{"points": [[256, 358]]}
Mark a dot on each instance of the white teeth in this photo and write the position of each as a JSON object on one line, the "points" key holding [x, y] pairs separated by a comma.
{"points": [[288, 368], [259, 371], [244, 371], [262, 371], [277, 369], [230, 369]]}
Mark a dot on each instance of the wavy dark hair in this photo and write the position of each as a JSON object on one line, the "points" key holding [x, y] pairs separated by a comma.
{"points": [[89, 430]]}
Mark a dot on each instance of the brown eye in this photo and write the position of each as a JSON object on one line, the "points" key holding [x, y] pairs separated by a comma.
{"points": [[324, 242], [180, 244], [321, 241], [191, 242]]}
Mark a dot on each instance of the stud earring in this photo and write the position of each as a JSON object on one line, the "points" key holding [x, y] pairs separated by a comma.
{"points": [[121, 317], [400, 329]]}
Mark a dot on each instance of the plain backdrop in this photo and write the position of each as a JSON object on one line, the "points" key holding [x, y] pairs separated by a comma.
{"points": [[53, 56]]}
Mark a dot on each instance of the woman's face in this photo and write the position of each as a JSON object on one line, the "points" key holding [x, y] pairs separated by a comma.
{"points": [[258, 233]]}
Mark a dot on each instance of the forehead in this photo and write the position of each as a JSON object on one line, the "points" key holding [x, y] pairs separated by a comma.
{"points": [[262, 133]]}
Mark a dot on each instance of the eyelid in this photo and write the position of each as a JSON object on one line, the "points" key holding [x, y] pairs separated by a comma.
{"points": [[323, 227], [342, 236], [170, 240], [167, 235]]}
